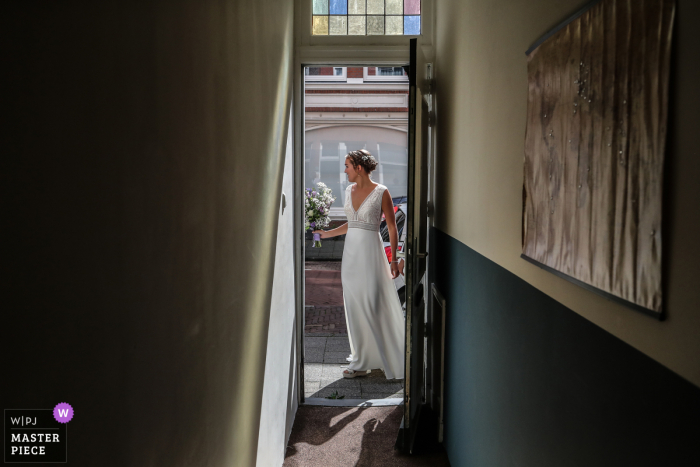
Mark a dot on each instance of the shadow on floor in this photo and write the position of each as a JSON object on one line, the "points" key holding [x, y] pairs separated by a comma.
{"points": [[357, 436]]}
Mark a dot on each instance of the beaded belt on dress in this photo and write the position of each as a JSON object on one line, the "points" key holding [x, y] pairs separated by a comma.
{"points": [[363, 225]]}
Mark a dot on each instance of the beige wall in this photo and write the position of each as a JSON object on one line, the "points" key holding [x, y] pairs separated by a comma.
{"points": [[143, 150], [481, 75]]}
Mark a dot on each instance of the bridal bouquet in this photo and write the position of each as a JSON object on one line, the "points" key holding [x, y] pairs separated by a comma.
{"points": [[317, 207]]}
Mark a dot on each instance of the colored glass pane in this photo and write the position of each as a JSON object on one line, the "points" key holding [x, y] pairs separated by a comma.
{"points": [[320, 7], [394, 7], [320, 26], [356, 7], [356, 25], [339, 7], [411, 25], [338, 25], [411, 7], [394, 25], [375, 25], [375, 7], [366, 17]]}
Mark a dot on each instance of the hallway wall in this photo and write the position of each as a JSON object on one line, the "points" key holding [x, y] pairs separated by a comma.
{"points": [[481, 73], [533, 384], [143, 151], [541, 372]]}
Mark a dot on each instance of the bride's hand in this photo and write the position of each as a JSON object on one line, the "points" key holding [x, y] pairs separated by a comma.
{"points": [[321, 232], [394, 270]]}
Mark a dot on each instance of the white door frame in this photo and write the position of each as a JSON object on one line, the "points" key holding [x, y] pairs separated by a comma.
{"points": [[395, 56], [333, 50]]}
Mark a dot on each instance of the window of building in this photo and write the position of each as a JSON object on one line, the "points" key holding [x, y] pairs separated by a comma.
{"points": [[385, 73], [366, 17], [326, 148], [390, 71], [325, 73]]}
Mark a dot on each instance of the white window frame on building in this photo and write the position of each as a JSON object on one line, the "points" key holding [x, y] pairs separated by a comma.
{"points": [[377, 77], [334, 77]]}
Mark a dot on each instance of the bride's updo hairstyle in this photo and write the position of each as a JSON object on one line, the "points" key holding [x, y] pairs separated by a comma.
{"points": [[364, 159]]}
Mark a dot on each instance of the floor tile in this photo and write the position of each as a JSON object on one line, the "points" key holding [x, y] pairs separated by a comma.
{"points": [[335, 357], [313, 355], [349, 393], [338, 346], [340, 383], [312, 341], [380, 387], [332, 371], [313, 372], [338, 339], [312, 386]]}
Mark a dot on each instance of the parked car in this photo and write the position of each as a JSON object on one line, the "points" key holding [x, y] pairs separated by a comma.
{"points": [[400, 208]]}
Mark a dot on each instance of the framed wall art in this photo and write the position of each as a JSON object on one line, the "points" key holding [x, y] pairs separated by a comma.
{"points": [[594, 149]]}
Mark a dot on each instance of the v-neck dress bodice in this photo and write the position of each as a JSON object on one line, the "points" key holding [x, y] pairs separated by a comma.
{"points": [[375, 319], [369, 215]]}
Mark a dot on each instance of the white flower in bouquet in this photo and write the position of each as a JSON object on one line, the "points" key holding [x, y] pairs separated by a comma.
{"points": [[318, 205]]}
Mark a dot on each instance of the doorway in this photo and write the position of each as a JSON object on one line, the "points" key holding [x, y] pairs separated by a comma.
{"points": [[348, 108]]}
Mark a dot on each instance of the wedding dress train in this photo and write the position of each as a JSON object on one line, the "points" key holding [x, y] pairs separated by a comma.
{"points": [[375, 320]]}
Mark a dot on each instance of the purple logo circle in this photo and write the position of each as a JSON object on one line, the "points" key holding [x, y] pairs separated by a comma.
{"points": [[63, 412]]}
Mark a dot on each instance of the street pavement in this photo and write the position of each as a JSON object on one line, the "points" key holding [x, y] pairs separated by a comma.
{"points": [[326, 343], [323, 287], [324, 362]]}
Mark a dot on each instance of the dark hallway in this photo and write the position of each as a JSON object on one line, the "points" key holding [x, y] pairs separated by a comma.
{"points": [[151, 242]]}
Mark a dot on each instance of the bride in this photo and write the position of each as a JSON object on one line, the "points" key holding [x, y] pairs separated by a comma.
{"points": [[374, 316]]}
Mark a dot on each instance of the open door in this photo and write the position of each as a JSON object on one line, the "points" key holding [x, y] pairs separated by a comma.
{"points": [[415, 248]]}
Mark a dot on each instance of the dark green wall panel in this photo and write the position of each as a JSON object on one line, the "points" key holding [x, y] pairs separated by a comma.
{"points": [[531, 383]]}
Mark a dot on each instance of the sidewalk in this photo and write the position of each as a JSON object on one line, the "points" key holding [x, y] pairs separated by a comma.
{"points": [[323, 287], [324, 311], [325, 320], [326, 343], [324, 362]]}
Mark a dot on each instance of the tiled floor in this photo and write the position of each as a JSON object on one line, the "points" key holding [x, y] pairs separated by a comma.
{"points": [[323, 372]]}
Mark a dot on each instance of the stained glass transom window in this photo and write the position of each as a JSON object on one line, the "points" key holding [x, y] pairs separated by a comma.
{"points": [[365, 17]]}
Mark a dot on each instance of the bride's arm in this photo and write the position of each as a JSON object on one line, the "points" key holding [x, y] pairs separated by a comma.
{"points": [[342, 230], [388, 209]]}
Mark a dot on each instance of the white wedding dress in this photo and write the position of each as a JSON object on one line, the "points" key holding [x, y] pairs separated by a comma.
{"points": [[373, 312]]}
